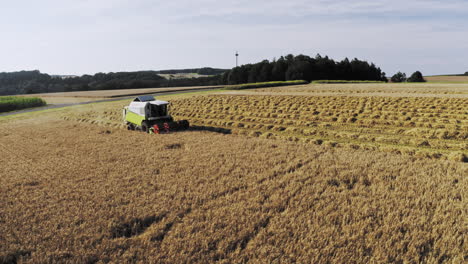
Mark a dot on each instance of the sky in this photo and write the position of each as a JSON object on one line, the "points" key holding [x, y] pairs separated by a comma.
{"points": [[89, 36]]}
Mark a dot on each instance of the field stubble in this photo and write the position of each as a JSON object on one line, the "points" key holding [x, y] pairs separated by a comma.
{"points": [[431, 127], [373, 89]]}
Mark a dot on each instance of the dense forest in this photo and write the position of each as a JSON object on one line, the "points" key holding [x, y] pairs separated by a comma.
{"points": [[285, 68], [303, 67]]}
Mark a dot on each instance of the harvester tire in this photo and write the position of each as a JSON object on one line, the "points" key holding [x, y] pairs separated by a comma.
{"points": [[173, 126], [145, 127], [166, 127]]}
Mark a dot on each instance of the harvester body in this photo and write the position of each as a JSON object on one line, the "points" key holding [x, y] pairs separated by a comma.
{"points": [[150, 115]]}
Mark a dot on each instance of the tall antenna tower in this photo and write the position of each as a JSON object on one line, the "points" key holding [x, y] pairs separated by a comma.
{"points": [[237, 56]]}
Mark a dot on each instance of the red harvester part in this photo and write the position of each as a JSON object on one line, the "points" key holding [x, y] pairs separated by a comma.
{"points": [[170, 126], [156, 129]]}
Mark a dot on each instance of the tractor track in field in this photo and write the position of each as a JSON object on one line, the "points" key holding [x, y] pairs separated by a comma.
{"points": [[242, 242], [53, 106], [239, 244]]}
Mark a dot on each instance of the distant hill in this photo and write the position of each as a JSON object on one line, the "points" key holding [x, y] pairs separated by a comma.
{"points": [[31, 82], [286, 68]]}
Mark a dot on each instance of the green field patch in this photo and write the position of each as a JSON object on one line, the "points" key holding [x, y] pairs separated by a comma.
{"points": [[264, 85], [12, 103]]}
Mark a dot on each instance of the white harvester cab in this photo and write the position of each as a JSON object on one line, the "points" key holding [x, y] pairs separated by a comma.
{"points": [[152, 109]]}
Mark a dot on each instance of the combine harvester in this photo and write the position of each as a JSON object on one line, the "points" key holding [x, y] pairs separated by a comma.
{"points": [[151, 116]]}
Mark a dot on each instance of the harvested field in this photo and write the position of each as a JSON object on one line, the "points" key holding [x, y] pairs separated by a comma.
{"points": [[370, 89], [423, 120], [81, 188], [119, 93], [447, 78], [432, 127]]}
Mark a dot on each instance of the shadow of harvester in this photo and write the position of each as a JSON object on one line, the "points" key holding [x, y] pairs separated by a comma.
{"points": [[211, 129]]}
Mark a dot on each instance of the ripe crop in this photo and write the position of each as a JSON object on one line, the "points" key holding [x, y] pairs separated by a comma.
{"points": [[81, 193], [287, 179]]}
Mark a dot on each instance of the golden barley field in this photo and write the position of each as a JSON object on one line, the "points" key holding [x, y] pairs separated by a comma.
{"points": [[77, 187]]}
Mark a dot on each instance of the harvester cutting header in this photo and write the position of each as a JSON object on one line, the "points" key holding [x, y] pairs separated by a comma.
{"points": [[149, 115]]}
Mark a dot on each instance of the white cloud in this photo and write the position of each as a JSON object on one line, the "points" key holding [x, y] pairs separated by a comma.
{"points": [[71, 36], [312, 7]]}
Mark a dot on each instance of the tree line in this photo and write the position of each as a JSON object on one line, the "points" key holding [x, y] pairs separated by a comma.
{"points": [[401, 77], [302, 67], [30, 82], [286, 68]]}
